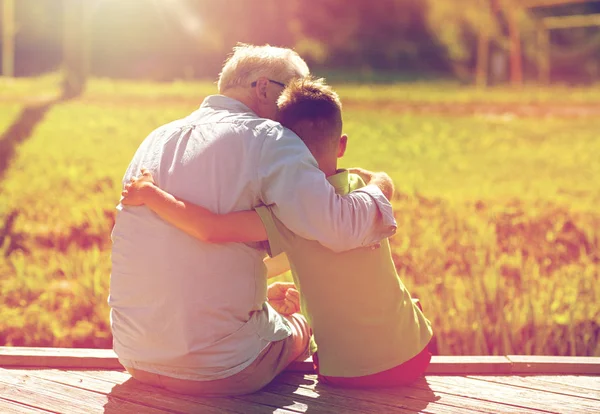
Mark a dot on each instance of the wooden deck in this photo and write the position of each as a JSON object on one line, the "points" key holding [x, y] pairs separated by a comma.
{"points": [[37, 380]]}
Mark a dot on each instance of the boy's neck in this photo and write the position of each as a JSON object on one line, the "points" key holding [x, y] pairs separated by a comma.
{"points": [[328, 168]]}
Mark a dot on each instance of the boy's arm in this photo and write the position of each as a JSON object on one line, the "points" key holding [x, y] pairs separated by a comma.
{"points": [[197, 221], [276, 265]]}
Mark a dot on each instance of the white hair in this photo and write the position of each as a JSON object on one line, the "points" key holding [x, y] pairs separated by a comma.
{"points": [[248, 63]]}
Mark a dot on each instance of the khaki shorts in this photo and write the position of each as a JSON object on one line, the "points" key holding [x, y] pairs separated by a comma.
{"points": [[269, 363]]}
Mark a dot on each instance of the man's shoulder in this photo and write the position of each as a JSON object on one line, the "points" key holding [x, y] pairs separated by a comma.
{"points": [[268, 127], [242, 122], [170, 127], [272, 129], [275, 133]]}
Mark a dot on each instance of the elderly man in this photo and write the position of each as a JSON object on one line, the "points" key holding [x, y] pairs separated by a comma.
{"points": [[193, 317]]}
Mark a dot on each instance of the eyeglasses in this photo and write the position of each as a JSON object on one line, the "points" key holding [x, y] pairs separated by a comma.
{"points": [[253, 84]]}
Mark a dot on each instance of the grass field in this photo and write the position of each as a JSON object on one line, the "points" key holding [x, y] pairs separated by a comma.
{"points": [[499, 229]]}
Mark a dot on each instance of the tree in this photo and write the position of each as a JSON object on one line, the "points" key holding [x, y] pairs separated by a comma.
{"points": [[75, 47], [8, 37]]}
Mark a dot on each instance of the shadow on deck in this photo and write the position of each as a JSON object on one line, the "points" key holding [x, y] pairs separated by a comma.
{"points": [[85, 381]]}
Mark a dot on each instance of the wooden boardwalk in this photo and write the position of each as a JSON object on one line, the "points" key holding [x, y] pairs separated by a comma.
{"points": [[35, 380]]}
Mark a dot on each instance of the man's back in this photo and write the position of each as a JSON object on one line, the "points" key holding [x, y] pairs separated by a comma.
{"points": [[178, 302]]}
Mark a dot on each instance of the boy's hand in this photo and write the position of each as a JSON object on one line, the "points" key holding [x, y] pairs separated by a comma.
{"points": [[284, 298], [133, 193]]}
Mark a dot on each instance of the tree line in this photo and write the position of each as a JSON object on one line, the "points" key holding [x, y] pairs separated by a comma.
{"points": [[174, 39]]}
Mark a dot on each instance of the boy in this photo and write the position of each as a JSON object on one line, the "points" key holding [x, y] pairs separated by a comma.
{"points": [[366, 327]]}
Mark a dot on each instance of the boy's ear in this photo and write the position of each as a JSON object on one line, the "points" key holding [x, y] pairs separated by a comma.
{"points": [[342, 145]]}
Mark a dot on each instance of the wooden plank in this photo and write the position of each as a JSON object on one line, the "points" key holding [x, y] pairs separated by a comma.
{"points": [[50, 396], [516, 396], [52, 403], [523, 364], [473, 404], [413, 398], [408, 397], [225, 403], [323, 402], [468, 365], [112, 376], [82, 358], [534, 382], [580, 381], [58, 358], [11, 407], [419, 396], [441, 364], [133, 391], [107, 359]]}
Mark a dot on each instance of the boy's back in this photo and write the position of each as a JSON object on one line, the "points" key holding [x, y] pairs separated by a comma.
{"points": [[362, 316]]}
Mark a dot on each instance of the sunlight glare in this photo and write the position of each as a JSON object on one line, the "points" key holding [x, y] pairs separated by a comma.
{"points": [[190, 22]]}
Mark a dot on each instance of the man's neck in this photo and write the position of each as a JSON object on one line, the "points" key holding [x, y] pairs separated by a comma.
{"points": [[241, 95]]}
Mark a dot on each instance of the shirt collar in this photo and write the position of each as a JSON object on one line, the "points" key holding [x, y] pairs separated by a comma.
{"points": [[224, 102], [340, 181]]}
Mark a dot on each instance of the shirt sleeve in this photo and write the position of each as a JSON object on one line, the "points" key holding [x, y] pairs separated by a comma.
{"points": [[299, 195], [275, 244]]}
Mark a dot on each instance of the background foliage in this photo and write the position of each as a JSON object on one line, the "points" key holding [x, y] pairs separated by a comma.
{"points": [[171, 39], [499, 231]]}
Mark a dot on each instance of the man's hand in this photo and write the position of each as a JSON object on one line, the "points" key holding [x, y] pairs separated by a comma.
{"points": [[379, 179], [366, 175], [284, 298], [133, 194]]}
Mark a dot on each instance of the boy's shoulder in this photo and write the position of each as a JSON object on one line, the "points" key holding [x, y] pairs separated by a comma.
{"points": [[355, 181]]}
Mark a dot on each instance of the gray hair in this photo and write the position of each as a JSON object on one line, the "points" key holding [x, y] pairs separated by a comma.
{"points": [[248, 63]]}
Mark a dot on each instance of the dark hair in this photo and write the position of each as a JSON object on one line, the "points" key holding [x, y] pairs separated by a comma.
{"points": [[313, 111]]}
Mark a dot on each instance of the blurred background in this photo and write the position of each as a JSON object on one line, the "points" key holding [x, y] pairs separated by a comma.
{"points": [[162, 40], [485, 113]]}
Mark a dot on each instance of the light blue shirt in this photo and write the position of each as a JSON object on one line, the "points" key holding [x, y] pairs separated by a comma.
{"points": [[193, 310]]}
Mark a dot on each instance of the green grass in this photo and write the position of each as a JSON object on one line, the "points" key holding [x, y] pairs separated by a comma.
{"points": [[498, 222], [452, 92], [19, 89], [392, 90], [471, 158]]}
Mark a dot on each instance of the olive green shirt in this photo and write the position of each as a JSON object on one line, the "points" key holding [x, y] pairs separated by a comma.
{"points": [[362, 315]]}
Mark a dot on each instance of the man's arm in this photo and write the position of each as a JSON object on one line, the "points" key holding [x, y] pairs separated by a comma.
{"points": [[302, 198], [197, 221]]}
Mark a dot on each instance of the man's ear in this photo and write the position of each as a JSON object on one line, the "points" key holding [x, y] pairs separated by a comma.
{"points": [[260, 90], [342, 145]]}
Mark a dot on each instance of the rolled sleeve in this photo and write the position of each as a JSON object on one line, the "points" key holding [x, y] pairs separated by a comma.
{"points": [[301, 197], [275, 244], [387, 226]]}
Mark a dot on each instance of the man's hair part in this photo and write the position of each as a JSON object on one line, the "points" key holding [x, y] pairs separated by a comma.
{"points": [[249, 62]]}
